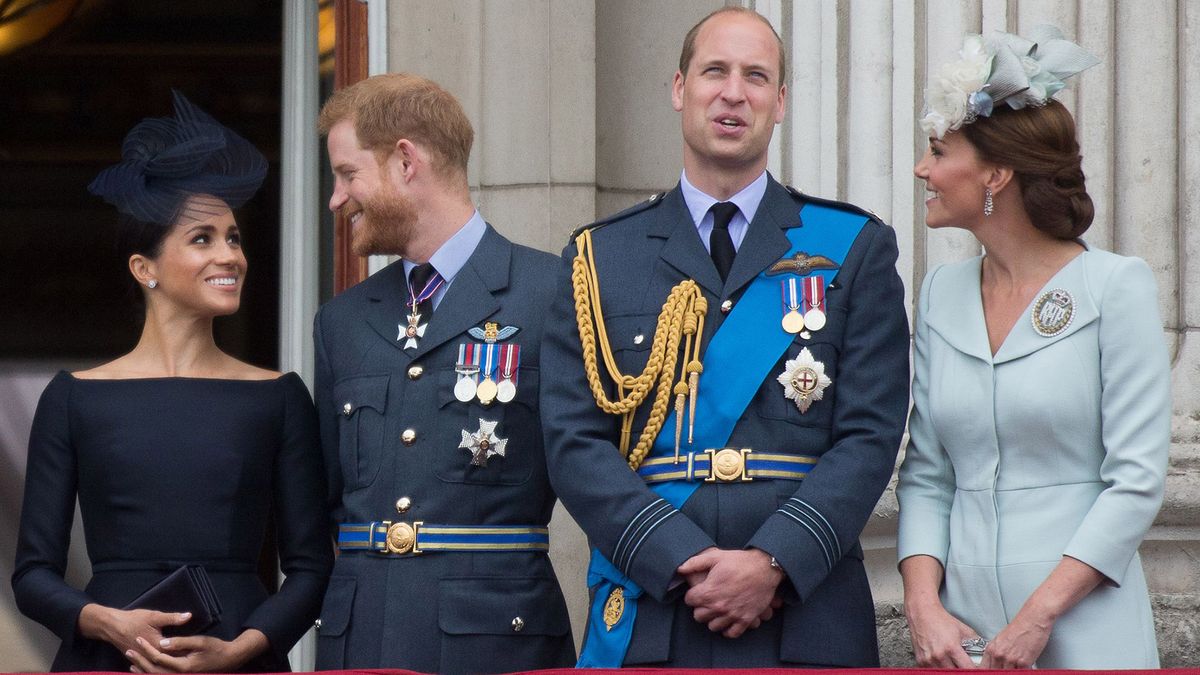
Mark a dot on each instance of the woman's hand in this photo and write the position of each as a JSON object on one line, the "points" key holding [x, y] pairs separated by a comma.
{"points": [[122, 628], [937, 637], [196, 654], [1020, 643]]}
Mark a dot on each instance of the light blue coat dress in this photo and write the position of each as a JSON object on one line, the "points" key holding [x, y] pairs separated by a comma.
{"points": [[1054, 446]]}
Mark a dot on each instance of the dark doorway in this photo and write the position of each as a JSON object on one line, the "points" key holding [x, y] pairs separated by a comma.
{"points": [[66, 101]]}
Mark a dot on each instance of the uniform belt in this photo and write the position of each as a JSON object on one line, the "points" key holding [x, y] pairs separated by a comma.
{"points": [[420, 537], [726, 465]]}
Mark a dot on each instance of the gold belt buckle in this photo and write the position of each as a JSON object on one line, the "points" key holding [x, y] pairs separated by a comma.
{"points": [[727, 465], [402, 537]]}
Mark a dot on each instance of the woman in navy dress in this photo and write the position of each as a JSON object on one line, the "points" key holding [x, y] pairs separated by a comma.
{"points": [[177, 452]]}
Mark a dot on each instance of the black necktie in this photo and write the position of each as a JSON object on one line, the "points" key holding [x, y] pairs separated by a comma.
{"points": [[418, 285], [720, 244]]}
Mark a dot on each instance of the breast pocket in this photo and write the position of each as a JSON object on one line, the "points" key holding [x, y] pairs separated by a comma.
{"points": [[361, 408], [630, 338], [514, 424], [821, 361]]}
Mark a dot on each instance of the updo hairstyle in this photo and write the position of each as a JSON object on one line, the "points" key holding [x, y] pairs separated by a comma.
{"points": [[1038, 143]]}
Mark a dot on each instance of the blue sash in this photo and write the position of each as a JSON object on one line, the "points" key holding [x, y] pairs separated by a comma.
{"points": [[736, 362]]}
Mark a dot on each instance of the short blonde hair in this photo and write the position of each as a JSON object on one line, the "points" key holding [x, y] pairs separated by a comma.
{"points": [[386, 108]]}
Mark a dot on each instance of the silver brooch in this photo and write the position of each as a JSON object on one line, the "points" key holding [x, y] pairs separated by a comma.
{"points": [[1053, 312]]}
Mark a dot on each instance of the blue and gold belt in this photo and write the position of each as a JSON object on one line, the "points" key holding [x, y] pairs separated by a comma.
{"points": [[726, 465], [418, 537]]}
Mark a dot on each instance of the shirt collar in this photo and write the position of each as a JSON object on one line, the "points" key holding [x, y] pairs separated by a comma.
{"points": [[747, 199], [452, 255]]}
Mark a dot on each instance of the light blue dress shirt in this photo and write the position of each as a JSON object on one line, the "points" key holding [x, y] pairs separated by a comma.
{"points": [[452, 255]]}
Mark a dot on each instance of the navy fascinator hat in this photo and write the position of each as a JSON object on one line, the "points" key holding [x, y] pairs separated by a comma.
{"points": [[166, 160]]}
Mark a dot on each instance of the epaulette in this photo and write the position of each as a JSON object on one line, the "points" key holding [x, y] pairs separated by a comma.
{"points": [[654, 200], [844, 206]]}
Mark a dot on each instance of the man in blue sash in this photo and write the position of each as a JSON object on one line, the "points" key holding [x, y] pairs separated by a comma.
{"points": [[724, 386]]}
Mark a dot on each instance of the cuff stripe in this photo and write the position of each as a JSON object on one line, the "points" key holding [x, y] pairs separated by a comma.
{"points": [[637, 529], [820, 542], [633, 551], [837, 547]]}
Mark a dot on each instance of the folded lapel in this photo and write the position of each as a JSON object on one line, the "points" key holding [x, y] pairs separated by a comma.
{"points": [[387, 313], [470, 299], [683, 250], [1024, 339], [956, 311], [766, 239]]}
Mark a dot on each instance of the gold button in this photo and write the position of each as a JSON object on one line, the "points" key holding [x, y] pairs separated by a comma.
{"points": [[403, 505], [518, 624], [347, 409], [726, 306], [637, 339], [409, 436], [415, 372]]}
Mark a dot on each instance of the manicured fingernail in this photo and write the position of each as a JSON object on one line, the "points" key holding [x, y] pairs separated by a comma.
{"points": [[164, 642], [129, 653], [186, 615]]}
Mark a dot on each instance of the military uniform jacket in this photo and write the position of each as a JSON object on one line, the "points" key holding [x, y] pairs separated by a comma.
{"points": [[811, 527], [447, 611]]}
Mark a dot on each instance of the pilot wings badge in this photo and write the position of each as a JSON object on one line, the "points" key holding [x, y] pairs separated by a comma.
{"points": [[492, 332], [801, 264]]}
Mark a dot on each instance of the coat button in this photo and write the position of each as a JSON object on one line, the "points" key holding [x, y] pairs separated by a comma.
{"points": [[403, 505], [637, 339], [347, 408], [317, 624], [409, 436], [518, 624], [415, 372], [726, 306]]}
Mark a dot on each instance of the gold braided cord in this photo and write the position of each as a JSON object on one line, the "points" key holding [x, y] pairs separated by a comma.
{"points": [[682, 313]]}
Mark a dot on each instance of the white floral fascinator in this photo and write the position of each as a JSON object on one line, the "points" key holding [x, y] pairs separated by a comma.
{"points": [[1004, 68]]}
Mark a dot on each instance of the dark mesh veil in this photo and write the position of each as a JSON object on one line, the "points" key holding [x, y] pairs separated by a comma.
{"points": [[166, 160]]}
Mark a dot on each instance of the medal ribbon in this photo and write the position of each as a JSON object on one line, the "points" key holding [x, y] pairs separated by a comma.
{"points": [[787, 288], [435, 282], [814, 292], [739, 357], [490, 361], [468, 355], [510, 356]]}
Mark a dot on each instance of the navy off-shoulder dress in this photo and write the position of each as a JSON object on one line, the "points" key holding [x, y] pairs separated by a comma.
{"points": [[171, 471]]}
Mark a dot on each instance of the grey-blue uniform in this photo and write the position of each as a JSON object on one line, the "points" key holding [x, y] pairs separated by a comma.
{"points": [[391, 430], [810, 527]]}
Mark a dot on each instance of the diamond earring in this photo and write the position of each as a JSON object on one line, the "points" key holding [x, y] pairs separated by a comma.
{"points": [[153, 283], [988, 205]]}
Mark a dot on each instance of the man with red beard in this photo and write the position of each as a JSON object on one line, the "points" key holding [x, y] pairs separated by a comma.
{"points": [[427, 389]]}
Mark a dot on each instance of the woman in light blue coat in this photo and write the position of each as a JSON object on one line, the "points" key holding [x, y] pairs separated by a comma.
{"points": [[1041, 419]]}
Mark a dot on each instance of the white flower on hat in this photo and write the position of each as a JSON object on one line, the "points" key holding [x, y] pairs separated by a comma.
{"points": [[1005, 68]]}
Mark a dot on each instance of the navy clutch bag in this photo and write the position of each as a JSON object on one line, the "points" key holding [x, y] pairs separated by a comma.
{"points": [[187, 589]]}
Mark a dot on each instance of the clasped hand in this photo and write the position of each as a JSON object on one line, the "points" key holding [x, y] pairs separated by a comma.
{"points": [[731, 591]]}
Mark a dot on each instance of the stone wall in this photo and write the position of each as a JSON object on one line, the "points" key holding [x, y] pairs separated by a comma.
{"points": [[571, 101]]}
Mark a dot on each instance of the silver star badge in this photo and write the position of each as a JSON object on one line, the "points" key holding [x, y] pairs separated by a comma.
{"points": [[804, 380], [413, 331], [483, 443]]}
